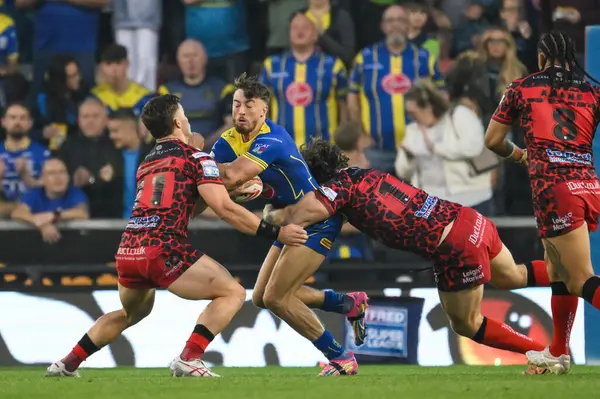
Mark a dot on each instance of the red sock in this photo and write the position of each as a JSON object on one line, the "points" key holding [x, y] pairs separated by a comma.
{"points": [[84, 349], [197, 343], [502, 336], [564, 308], [537, 275]]}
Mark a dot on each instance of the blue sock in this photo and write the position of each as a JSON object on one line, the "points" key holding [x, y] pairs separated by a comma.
{"points": [[329, 346], [336, 302]]}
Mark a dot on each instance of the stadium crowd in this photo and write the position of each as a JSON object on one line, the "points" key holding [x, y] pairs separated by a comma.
{"points": [[406, 88]]}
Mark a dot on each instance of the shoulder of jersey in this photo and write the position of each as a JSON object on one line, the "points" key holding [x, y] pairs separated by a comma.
{"points": [[201, 154], [228, 133], [6, 22]]}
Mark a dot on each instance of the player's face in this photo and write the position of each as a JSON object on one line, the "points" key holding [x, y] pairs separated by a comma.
{"points": [[395, 25], [423, 116], [73, 76], [247, 113], [17, 122], [182, 122], [92, 119], [55, 177], [302, 32]]}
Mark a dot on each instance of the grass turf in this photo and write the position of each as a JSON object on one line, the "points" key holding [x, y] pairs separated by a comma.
{"points": [[373, 382]]}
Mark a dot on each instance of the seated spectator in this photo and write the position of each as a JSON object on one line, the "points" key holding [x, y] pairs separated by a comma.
{"points": [[117, 90], [417, 19], [21, 159], [206, 99], [90, 157], [123, 131], [438, 146], [62, 94], [56, 200]]}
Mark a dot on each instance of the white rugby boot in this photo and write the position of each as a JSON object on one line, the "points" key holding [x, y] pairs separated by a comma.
{"points": [[543, 359], [58, 370], [190, 368]]}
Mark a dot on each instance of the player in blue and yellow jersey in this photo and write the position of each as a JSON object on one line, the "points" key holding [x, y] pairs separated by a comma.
{"points": [[381, 75], [309, 87], [258, 147], [118, 91], [9, 46]]}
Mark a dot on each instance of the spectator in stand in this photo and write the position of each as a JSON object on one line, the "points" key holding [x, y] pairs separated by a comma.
{"points": [[382, 74], [65, 27], [309, 87], [467, 34], [221, 26], [137, 25], [335, 29], [206, 99], [123, 131], [59, 101], [513, 19], [417, 19], [21, 159], [117, 91], [9, 46], [90, 157], [437, 149], [56, 200], [280, 13]]}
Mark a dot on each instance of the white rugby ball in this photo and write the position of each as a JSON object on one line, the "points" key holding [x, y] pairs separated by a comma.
{"points": [[249, 190]]}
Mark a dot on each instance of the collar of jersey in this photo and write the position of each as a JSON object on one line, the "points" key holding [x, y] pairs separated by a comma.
{"points": [[26, 144]]}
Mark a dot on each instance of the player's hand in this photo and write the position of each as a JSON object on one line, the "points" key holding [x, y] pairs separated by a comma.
{"points": [[525, 29], [292, 235], [106, 173], [43, 218], [50, 233], [81, 177], [197, 140]]}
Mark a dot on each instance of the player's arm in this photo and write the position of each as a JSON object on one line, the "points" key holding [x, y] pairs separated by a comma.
{"points": [[500, 126], [238, 172], [309, 210]]}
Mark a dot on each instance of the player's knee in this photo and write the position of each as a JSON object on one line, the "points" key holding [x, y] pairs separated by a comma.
{"points": [[237, 292], [465, 325], [272, 301]]}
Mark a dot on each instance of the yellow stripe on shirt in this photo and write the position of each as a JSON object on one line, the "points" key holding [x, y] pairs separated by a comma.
{"points": [[273, 105], [333, 100], [299, 110], [256, 160], [397, 101]]}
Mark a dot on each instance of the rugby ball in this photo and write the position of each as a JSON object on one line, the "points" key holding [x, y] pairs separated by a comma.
{"points": [[249, 190]]}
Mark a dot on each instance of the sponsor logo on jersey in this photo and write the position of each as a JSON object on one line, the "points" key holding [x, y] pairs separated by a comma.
{"points": [[396, 83], [210, 168], [299, 94], [200, 154], [569, 157], [328, 192], [562, 222], [259, 148], [427, 207], [145, 222]]}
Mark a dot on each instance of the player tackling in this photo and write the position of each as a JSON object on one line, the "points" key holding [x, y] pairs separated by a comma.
{"points": [[463, 244], [154, 251]]}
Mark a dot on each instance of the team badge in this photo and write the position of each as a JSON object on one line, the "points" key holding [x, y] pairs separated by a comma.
{"points": [[210, 168], [259, 148]]}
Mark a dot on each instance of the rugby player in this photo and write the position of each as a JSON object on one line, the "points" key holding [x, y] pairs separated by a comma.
{"points": [[558, 111], [154, 251], [463, 244], [257, 146]]}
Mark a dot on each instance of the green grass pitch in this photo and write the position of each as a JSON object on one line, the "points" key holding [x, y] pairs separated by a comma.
{"points": [[373, 382]]}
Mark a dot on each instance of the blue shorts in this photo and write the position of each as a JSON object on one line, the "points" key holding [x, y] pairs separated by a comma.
{"points": [[321, 235]]}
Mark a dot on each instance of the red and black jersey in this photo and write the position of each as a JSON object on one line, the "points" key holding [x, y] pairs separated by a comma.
{"points": [[559, 126], [167, 192], [388, 210]]}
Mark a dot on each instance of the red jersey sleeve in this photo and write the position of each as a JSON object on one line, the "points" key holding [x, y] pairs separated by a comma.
{"points": [[205, 168], [336, 193], [507, 111]]}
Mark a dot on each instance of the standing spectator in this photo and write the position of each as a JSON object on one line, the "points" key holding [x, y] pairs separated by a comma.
{"points": [[9, 46], [123, 131], [63, 92], [417, 19], [513, 18], [467, 34], [308, 86], [382, 74], [117, 91], [221, 27], [90, 157], [137, 24], [21, 159], [56, 200], [437, 148], [205, 98], [280, 12], [335, 28], [65, 27]]}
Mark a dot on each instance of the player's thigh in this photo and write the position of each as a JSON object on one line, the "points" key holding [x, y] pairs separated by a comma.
{"points": [[294, 266], [206, 279], [137, 303], [264, 274], [505, 273], [463, 309]]}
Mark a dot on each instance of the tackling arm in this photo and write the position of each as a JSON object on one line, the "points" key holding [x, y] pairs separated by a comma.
{"points": [[238, 172], [308, 211]]}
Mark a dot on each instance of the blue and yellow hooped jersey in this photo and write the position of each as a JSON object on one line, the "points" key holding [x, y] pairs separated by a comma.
{"points": [[381, 79], [9, 46], [135, 97], [286, 177], [306, 94]]}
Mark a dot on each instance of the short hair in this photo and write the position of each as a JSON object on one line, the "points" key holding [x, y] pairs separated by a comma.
{"points": [[416, 7], [348, 134], [18, 104], [252, 88], [424, 93], [114, 53], [158, 115], [122, 114]]}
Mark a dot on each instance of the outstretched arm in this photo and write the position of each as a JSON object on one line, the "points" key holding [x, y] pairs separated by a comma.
{"points": [[238, 172], [308, 211]]}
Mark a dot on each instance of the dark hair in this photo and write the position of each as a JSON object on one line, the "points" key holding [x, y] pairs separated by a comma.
{"points": [[122, 114], [18, 104], [347, 135], [559, 47], [158, 115], [114, 53], [468, 78], [252, 87], [58, 95], [323, 159], [426, 94]]}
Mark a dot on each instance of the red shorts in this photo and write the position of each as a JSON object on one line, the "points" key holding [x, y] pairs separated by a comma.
{"points": [[463, 259], [564, 207], [152, 267]]}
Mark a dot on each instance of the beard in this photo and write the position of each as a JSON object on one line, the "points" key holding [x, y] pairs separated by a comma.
{"points": [[17, 134], [248, 128], [396, 40]]}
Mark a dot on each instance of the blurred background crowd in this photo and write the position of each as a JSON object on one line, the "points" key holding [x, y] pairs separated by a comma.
{"points": [[404, 87]]}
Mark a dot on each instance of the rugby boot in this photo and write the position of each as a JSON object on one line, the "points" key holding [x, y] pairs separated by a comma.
{"points": [[190, 368], [356, 316], [532, 369], [544, 359], [345, 366], [58, 370]]}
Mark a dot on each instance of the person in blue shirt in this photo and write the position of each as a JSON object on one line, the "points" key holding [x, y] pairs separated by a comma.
{"points": [[256, 146], [56, 200], [21, 159]]}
